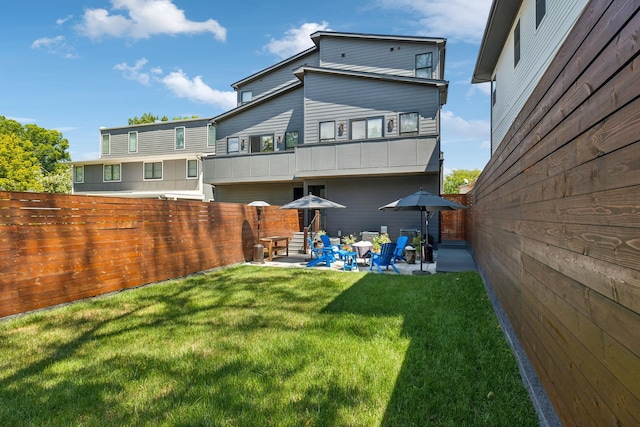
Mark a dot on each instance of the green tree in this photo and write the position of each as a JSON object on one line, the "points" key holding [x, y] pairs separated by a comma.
{"points": [[459, 177], [19, 167], [145, 118], [59, 182]]}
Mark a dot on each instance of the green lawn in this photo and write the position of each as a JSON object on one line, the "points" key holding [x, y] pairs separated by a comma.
{"points": [[257, 346]]}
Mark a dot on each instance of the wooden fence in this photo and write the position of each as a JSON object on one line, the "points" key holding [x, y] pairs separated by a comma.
{"points": [[58, 248], [453, 223], [555, 221]]}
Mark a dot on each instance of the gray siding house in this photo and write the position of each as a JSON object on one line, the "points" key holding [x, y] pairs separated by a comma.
{"points": [[355, 119], [157, 160]]}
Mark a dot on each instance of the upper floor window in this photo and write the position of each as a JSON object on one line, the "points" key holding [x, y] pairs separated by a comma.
{"points": [[424, 65], [541, 10], [111, 173], [233, 144], [180, 138], [327, 131], [516, 44], [493, 92], [408, 123], [133, 142], [366, 128], [192, 168], [211, 135], [106, 144], [290, 140], [261, 143], [78, 174], [246, 96], [153, 170]]}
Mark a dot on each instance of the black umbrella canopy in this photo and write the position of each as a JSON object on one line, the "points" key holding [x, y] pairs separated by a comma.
{"points": [[311, 202], [422, 201]]}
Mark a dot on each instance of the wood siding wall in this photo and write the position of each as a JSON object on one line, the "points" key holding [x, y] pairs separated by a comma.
{"points": [[58, 248], [453, 223], [554, 222]]}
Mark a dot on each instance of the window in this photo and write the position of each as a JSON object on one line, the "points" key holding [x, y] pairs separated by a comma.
{"points": [[516, 44], [327, 131], [211, 135], [246, 96], [111, 173], [133, 142], [192, 168], [366, 128], [424, 65], [232, 144], [493, 92], [78, 174], [153, 170], [541, 10], [180, 138], [290, 140], [408, 123], [261, 143], [106, 144]]}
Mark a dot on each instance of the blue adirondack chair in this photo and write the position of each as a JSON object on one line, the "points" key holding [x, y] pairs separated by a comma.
{"points": [[326, 242], [385, 258], [400, 244], [321, 255]]}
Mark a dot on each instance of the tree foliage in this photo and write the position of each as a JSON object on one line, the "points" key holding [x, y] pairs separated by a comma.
{"points": [[459, 177], [152, 118], [30, 155]]}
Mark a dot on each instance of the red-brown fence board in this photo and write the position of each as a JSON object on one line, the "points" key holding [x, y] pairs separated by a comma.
{"points": [[58, 248]]}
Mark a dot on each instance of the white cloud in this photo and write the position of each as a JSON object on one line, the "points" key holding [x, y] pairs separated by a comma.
{"points": [[55, 46], [134, 72], [63, 20], [143, 19], [457, 20], [456, 129], [295, 40], [196, 90]]}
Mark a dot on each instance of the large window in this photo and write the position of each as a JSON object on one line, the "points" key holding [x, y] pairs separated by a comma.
{"points": [[180, 138], [290, 140], [133, 142], [106, 144], [153, 170], [493, 92], [233, 144], [78, 174], [424, 65], [111, 173], [366, 128], [516, 44], [192, 168], [261, 143], [246, 96], [408, 123], [541, 10], [327, 131], [211, 135]]}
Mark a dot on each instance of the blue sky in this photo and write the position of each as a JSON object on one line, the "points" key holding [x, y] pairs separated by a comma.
{"points": [[78, 65]]}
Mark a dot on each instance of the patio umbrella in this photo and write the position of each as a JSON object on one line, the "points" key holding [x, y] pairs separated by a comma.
{"points": [[422, 201], [312, 202]]}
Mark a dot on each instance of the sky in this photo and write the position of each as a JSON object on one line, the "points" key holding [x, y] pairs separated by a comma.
{"points": [[79, 65]]}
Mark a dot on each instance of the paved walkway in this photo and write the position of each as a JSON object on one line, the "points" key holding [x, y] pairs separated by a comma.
{"points": [[448, 258]]}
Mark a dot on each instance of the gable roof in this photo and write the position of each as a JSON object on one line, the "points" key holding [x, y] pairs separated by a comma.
{"points": [[274, 67], [319, 34], [501, 17]]}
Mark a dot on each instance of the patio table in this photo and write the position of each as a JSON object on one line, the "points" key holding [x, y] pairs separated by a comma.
{"points": [[362, 248]]}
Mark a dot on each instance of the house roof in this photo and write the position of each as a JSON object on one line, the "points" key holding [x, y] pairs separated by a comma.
{"points": [[442, 85], [135, 159], [501, 17], [274, 67], [158, 123], [319, 34]]}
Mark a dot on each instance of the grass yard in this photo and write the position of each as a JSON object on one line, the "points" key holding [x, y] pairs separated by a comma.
{"points": [[259, 346]]}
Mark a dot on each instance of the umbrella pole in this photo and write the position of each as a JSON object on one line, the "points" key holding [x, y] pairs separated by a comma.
{"points": [[421, 246]]}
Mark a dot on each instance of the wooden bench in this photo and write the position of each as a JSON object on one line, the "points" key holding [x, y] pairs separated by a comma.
{"points": [[275, 245]]}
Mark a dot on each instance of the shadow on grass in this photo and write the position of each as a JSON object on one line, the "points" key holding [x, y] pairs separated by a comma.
{"points": [[458, 368]]}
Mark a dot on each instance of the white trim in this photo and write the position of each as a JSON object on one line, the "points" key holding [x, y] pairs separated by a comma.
{"points": [[187, 195]]}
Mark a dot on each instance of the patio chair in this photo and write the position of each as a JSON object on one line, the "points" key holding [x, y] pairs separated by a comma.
{"points": [[385, 258], [335, 249], [400, 244], [321, 255]]}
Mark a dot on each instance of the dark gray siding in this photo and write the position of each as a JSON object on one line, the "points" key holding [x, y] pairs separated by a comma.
{"points": [[280, 115], [278, 78], [375, 56], [158, 139], [340, 98]]}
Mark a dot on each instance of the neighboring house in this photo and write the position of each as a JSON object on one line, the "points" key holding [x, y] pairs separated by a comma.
{"points": [[355, 119], [519, 43], [156, 160]]}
